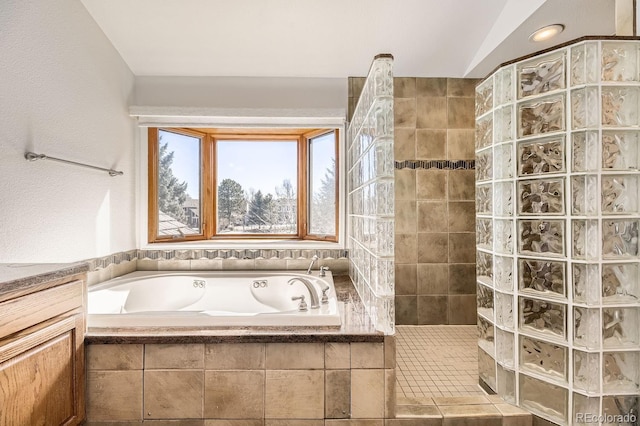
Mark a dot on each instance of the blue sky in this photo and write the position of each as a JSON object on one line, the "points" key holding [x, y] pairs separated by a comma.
{"points": [[261, 166]]}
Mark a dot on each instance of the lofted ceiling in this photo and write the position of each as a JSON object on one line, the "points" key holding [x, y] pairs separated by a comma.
{"points": [[335, 38]]}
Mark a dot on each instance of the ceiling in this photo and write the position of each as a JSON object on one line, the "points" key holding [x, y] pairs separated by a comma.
{"points": [[335, 38]]}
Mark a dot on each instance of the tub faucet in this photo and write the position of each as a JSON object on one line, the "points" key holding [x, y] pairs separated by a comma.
{"points": [[313, 260], [315, 304]]}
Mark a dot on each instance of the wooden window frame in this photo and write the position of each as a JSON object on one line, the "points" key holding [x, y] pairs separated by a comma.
{"points": [[209, 184]]}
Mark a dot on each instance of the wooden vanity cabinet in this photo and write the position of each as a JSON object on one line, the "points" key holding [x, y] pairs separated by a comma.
{"points": [[42, 357]]}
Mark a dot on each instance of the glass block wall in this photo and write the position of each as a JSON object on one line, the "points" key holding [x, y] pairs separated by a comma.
{"points": [[370, 166], [557, 220]]}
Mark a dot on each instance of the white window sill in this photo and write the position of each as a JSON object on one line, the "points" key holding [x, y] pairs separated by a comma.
{"points": [[245, 244]]}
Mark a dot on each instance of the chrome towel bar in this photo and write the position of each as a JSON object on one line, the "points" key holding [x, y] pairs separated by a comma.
{"points": [[32, 156]]}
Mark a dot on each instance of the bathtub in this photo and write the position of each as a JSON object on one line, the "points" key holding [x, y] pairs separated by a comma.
{"points": [[206, 299]]}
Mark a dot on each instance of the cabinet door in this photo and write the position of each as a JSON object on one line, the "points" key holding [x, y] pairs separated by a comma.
{"points": [[39, 386]]}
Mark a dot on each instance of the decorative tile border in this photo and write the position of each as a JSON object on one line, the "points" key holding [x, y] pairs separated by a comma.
{"points": [[436, 164]]}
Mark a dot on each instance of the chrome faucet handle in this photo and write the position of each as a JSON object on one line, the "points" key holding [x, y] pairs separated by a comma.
{"points": [[325, 298], [323, 271], [302, 306]]}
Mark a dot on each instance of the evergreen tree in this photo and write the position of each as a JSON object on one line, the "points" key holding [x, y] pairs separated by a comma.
{"points": [[230, 202], [256, 213], [324, 202], [171, 193]]}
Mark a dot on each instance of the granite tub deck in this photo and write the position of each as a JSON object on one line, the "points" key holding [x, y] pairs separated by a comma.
{"points": [[18, 279]]}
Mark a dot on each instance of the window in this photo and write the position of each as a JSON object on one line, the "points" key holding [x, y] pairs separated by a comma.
{"points": [[243, 183]]}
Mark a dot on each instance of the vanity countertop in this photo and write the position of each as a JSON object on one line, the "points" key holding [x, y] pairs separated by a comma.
{"points": [[20, 278]]}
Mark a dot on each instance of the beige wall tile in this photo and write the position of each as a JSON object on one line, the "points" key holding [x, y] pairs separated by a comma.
{"points": [[124, 267], [299, 264], [292, 356], [433, 247], [389, 351], [462, 278], [294, 394], [431, 184], [181, 356], [433, 278], [404, 143], [367, 355], [337, 266], [173, 394], [406, 310], [174, 265], [337, 396], [206, 264], [114, 357], [423, 421], [460, 113], [234, 422], [460, 144], [297, 422], [367, 394], [406, 279], [354, 422], [114, 395], [271, 264], [234, 356], [234, 394], [124, 423], [462, 87], [432, 216], [406, 248], [431, 113], [337, 355], [462, 216], [431, 86], [404, 87], [181, 422], [99, 276], [390, 393], [404, 112], [238, 264], [405, 216], [147, 265], [461, 185], [433, 310], [357, 84], [405, 184], [431, 144], [462, 309], [462, 247]]}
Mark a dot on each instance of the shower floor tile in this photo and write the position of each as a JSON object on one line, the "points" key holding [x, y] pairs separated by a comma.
{"points": [[437, 361]]}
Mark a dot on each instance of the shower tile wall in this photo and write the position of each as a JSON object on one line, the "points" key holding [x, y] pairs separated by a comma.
{"points": [[434, 196]]}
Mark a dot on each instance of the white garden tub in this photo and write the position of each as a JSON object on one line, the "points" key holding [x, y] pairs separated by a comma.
{"points": [[201, 299]]}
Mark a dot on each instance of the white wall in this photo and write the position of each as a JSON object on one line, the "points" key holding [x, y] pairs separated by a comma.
{"points": [[64, 92], [241, 92]]}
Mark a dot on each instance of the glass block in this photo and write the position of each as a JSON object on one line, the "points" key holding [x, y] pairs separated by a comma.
{"points": [[484, 300], [484, 233], [620, 327], [541, 197], [543, 357], [504, 236], [502, 155], [620, 61], [620, 106], [486, 332], [383, 276], [619, 194], [542, 74], [484, 199], [542, 277], [620, 283], [584, 63], [484, 267], [384, 237], [541, 237], [484, 96], [487, 369], [584, 108], [484, 131], [586, 367], [484, 165], [586, 331], [503, 128], [503, 199], [621, 372], [620, 238], [541, 116], [584, 195], [621, 409], [545, 399], [505, 348], [586, 283], [504, 310], [584, 239], [584, 408], [585, 151], [506, 382], [620, 150], [543, 317], [541, 156], [384, 159], [504, 273], [504, 85]]}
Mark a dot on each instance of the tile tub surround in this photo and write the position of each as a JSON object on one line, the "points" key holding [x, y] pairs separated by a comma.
{"points": [[434, 199]]}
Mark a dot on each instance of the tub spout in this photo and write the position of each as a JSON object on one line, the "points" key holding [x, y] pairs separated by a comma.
{"points": [[313, 260], [315, 303]]}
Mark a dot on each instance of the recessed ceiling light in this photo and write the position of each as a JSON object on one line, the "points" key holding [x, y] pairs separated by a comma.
{"points": [[545, 33]]}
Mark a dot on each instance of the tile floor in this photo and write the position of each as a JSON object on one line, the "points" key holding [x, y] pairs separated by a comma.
{"points": [[437, 361]]}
